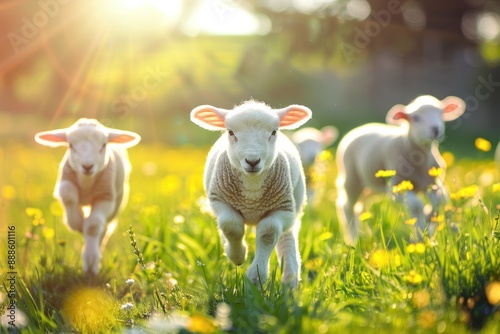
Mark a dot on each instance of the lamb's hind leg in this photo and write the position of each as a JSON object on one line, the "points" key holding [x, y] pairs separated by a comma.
{"points": [[348, 193]]}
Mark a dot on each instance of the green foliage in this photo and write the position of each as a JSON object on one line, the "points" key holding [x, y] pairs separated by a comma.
{"points": [[164, 268]]}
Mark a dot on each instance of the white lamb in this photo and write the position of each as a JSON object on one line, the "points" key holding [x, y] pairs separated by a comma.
{"points": [[410, 148], [92, 174], [311, 142], [253, 176]]}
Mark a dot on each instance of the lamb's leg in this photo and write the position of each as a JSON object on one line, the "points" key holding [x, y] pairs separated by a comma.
{"points": [[232, 229], [94, 228], [287, 250], [67, 193], [348, 192], [416, 208], [269, 231]]}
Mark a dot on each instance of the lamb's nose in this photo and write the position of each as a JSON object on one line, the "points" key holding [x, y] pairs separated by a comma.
{"points": [[252, 163], [435, 131], [88, 168]]}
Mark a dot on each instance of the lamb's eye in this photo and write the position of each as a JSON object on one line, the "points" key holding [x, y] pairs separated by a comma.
{"points": [[416, 118], [71, 146], [231, 133], [103, 147], [273, 133]]}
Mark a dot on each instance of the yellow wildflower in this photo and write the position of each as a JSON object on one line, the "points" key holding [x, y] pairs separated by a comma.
{"points": [[48, 233], [402, 187], [379, 258], [448, 158], [410, 248], [8, 192], [325, 236], [420, 248], [437, 219], [325, 156], [465, 193], [201, 324], [314, 263], [435, 172], [414, 277], [482, 144], [496, 188], [365, 216], [411, 221], [34, 213], [385, 173]]}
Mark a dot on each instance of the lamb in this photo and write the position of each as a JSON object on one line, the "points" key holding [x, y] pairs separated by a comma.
{"points": [[253, 176], [311, 142], [93, 175], [407, 145]]}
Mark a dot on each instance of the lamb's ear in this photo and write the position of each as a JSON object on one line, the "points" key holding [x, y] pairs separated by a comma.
{"points": [[330, 133], [293, 116], [210, 118], [453, 107], [52, 138], [124, 138], [396, 115]]}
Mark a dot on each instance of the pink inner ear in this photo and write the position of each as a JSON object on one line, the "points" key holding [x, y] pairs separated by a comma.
{"points": [[293, 116], [400, 115], [210, 117], [122, 138], [55, 138], [450, 107]]}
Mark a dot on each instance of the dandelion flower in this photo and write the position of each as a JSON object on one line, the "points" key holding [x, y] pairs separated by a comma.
{"points": [[420, 248], [402, 187], [130, 281], [414, 277], [126, 306], [48, 233], [465, 193], [379, 258], [496, 187], [437, 219], [435, 172], [365, 216], [482, 144], [8, 192], [201, 324], [411, 221], [410, 248], [385, 173], [448, 158], [33, 213]]}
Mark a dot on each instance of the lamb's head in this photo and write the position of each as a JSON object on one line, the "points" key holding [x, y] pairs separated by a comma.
{"points": [[87, 142], [425, 117], [251, 131], [311, 141]]}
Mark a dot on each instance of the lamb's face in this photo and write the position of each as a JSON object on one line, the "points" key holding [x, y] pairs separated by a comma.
{"points": [[309, 149], [87, 150], [426, 124], [251, 139]]}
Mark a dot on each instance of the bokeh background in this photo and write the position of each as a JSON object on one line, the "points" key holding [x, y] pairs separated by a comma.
{"points": [[143, 65]]}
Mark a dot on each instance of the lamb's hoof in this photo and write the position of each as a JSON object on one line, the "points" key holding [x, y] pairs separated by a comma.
{"points": [[256, 275], [237, 256]]}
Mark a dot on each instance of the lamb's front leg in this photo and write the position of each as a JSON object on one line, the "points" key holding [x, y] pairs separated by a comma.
{"points": [[287, 250], [94, 228], [232, 227], [269, 231], [67, 193]]}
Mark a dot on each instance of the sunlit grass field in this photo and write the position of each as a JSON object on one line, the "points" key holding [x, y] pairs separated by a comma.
{"points": [[164, 269]]}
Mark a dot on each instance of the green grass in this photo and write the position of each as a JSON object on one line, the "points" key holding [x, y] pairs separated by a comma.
{"points": [[182, 281]]}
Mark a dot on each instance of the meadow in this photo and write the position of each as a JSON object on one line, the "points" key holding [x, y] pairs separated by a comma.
{"points": [[164, 269]]}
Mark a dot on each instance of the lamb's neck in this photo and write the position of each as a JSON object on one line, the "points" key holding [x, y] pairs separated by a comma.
{"points": [[253, 183], [86, 182]]}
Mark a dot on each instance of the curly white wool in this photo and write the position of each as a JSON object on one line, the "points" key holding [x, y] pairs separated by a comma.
{"points": [[253, 176], [409, 145], [92, 174]]}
